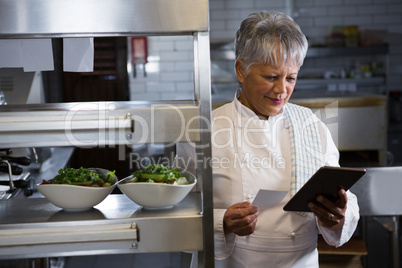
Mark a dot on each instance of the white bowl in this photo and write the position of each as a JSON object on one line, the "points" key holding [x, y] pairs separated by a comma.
{"points": [[75, 197], [157, 195]]}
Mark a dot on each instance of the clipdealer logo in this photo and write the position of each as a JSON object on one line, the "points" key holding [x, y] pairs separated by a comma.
{"points": [[100, 124], [85, 118], [329, 115], [109, 128]]}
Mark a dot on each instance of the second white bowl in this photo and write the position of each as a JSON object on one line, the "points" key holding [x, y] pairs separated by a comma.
{"points": [[157, 195]]}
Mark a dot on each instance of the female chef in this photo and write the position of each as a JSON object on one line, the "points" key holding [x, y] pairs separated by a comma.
{"points": [[260, 141]]}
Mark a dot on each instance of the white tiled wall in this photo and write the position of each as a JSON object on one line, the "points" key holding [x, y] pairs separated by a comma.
{"points": [[169, 72], [174, 79], [316, 17]]}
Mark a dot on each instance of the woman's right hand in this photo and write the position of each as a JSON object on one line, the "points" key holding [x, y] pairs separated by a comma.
{"points": [[240, 219]]}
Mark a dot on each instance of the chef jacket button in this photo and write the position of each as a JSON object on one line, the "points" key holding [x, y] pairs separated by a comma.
{"points": [[293, 235]]}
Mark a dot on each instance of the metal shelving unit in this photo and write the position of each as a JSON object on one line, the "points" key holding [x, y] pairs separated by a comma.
{"points": [[315, 52], [225, 51], [125, 229], [381, 82]]}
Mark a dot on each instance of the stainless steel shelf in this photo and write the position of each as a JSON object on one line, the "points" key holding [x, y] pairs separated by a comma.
{"points": [[314, 52], [225, 51], [98, 123], [322, 84], [359, 81], [33, 228], [319, 82]]}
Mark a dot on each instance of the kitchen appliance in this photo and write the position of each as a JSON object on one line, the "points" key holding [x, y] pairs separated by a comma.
{"points": [[19, 87], [12, 177], [378, 194]]}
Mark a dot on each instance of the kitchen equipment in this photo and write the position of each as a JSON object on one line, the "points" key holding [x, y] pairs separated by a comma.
{"points": [[9, 171], [25, 160], [2, 99], [7, 167], [17, 183], [15, 170], [22, 182], [379, 190], [379, 195]]}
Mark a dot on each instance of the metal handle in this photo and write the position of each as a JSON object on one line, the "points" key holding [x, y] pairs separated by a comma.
{"points": [[24, 160], [17, 183], [128, 116], [15, 170], [9, 175]]}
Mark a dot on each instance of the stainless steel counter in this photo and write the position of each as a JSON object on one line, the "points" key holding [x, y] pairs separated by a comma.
{"points": [[32, 228]]}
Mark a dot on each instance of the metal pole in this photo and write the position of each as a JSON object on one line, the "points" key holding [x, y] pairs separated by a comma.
{"points": [[202, 90]]}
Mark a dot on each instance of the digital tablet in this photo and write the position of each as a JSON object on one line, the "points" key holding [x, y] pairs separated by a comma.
{"points": [[326, 182]]}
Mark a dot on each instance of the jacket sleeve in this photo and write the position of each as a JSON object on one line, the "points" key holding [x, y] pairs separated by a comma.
{"points": [[339, 237], [223, 244]]}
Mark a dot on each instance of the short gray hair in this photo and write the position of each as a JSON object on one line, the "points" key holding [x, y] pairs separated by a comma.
{"points": [[261, 35]]}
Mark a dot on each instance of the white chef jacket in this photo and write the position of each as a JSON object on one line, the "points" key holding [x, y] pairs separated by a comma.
{"points": [[249, 154]]}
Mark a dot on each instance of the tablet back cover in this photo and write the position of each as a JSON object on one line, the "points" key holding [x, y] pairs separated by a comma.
{"points": [[326, 181]]}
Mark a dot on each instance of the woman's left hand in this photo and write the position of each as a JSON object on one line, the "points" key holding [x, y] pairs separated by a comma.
{"points": [[330, 214]]}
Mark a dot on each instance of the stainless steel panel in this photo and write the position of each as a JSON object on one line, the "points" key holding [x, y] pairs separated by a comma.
{"points": [[167, 230], [34, 235], [98, 123], [60, 18], [379, 192]]}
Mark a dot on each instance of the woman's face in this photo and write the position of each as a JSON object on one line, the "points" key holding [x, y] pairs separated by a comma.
{"points": [[266, 88]]}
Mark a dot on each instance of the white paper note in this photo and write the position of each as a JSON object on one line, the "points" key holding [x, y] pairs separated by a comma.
{"points": [[78, 54], [37, 55], [10, 53], [268, 198]]}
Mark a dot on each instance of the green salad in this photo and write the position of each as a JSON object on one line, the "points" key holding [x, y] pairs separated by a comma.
{"points": [[83, 177], [157, 173]]}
